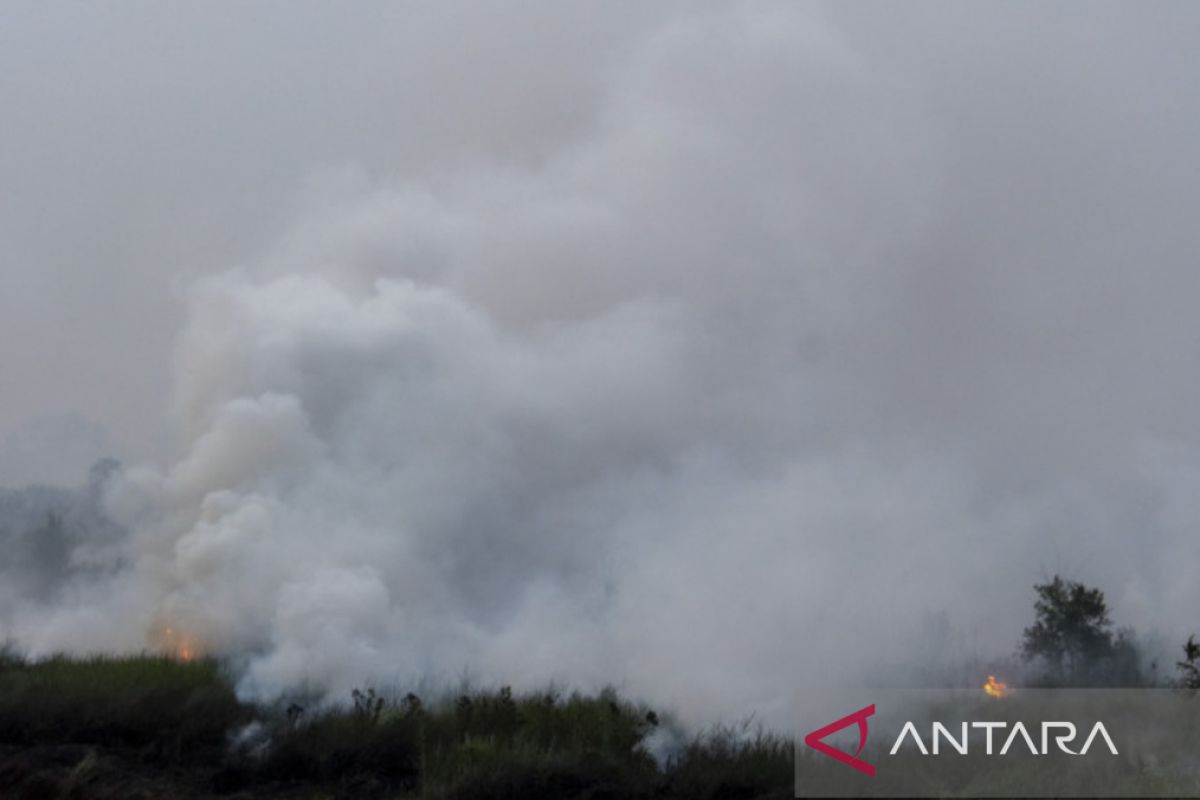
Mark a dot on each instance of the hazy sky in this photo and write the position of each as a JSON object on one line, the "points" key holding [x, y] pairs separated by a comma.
{"points": [[143, 143], [536, 333]]}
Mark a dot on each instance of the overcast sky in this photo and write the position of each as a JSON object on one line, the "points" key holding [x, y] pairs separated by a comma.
{"points": [[591, 286], [143, 143]]}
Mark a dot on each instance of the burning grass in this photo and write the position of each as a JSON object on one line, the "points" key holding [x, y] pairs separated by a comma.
{"points": [[159, 726]]}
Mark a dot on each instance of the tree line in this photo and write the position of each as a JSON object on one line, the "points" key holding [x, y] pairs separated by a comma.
{"points": [[1072, 642]]}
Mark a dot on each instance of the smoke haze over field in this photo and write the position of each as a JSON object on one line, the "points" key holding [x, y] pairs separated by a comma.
{"points": [[707, 351]]}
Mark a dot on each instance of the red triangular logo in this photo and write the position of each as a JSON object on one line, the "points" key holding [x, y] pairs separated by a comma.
{"points": [[813, 739]]}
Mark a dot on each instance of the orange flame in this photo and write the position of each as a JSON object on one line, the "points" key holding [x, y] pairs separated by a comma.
{"points": [[994, 688], [178, 644]]}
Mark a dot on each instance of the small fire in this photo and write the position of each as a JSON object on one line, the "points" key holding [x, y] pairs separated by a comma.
{"points": [[178, 644], [994, 688]]}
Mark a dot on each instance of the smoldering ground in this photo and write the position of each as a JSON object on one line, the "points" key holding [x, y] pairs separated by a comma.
{"points": [[735, 347]]}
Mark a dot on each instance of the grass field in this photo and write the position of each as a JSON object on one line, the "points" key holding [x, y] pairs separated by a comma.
{"points": [[150, 726]]}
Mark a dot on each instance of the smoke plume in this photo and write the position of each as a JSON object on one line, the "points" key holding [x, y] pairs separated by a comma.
{"points": [[805, 354]]}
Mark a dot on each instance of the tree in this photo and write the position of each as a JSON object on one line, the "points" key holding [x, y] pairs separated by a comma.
{"points": [[1189, 668], [1072, 633]]}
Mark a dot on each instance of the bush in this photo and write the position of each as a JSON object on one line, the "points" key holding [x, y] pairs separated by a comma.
{"points": [[160, 727], [172, 708]]}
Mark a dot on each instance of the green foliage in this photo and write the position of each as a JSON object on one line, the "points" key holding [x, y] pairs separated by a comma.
{"points": [[496, 744], [9, 657], [479, 744], [1072, 625], [161, 727], [733, 762], [337, 746], [170, 709], [1072, 638]]}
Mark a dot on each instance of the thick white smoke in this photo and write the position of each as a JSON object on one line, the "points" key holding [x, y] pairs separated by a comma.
{"points": [[715, 401]]}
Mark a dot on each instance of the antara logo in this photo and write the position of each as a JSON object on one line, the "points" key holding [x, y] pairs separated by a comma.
{"points": [[961, 744], [1066, 734], [813, 740]]}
